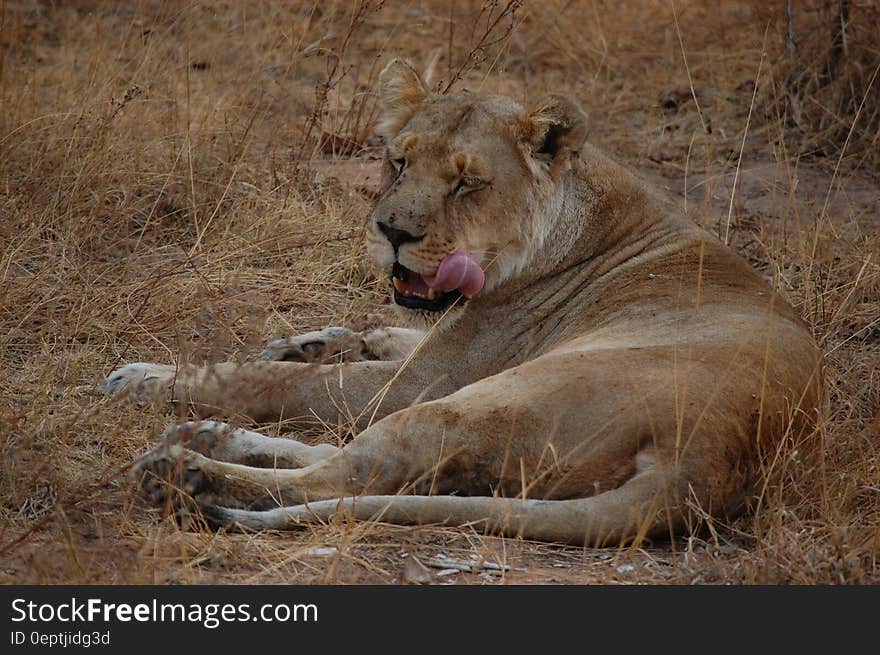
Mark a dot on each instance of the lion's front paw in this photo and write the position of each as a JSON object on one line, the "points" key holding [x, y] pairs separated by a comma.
{"points": [[171, 476], [328, 346], [144, 382]]}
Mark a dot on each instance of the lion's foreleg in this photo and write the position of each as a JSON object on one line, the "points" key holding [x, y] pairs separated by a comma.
{"points": [[309, 393], [338, 344]]}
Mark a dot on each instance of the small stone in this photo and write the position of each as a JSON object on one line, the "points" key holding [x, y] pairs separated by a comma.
{"points": [[319, 551], [446, 572]]}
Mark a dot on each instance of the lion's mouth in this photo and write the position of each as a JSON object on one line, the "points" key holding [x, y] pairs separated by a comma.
{"points": [[411, 291]]}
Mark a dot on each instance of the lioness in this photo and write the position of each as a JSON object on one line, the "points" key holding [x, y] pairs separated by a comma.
{"points": [[584, 364]]}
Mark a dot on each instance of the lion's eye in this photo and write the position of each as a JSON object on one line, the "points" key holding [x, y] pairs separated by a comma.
{"points": [[468, 184], [398, 164]]}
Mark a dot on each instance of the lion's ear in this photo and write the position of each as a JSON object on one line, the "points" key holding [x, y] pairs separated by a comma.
{"points": [[401, 91], [554, 130]]}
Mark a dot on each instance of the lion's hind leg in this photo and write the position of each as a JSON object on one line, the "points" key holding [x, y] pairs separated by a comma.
{"points": [[644, 506], [225, 443]]}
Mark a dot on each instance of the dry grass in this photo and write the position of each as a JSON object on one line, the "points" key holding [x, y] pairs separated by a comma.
{"points": [[826, 92], [165, 195]]}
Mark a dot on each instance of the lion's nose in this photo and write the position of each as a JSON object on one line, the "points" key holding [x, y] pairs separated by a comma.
{"points": [[398, 237]]}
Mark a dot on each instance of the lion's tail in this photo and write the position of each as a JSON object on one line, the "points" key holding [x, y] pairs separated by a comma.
{"points": [[641, 507]]}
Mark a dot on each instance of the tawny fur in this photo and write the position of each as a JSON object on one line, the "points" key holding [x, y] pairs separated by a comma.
{"points": [[620, 372]]}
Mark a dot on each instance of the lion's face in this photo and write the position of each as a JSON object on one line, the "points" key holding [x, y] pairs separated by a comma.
{"points": [[467, 173]]}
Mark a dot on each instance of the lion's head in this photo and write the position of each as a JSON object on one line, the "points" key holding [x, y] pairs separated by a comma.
{"points": [[465, 173]]}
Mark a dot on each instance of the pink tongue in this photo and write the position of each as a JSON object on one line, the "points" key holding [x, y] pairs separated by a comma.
{"points": [[458, 271]]}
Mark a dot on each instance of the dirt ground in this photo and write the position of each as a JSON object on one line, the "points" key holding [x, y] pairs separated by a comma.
{"points": [[185, 181]]}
